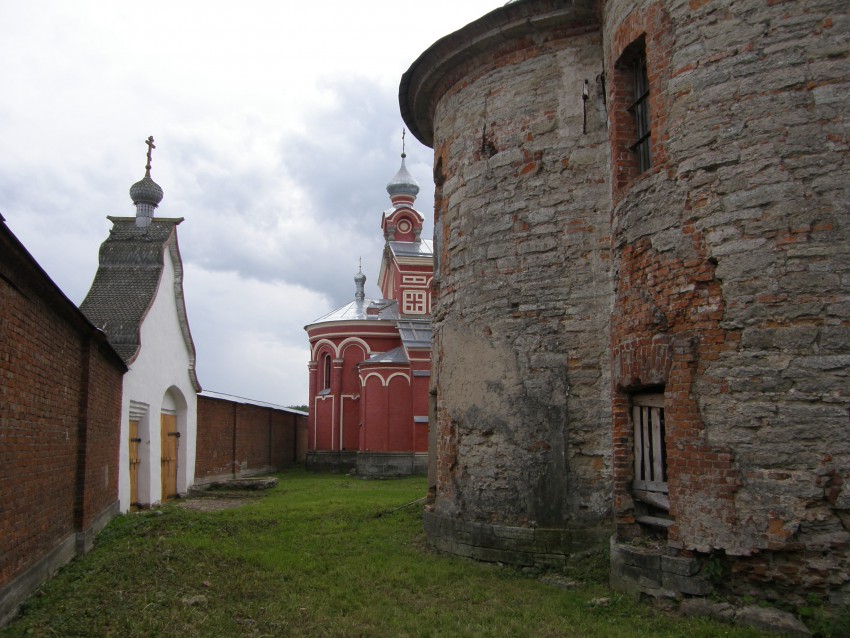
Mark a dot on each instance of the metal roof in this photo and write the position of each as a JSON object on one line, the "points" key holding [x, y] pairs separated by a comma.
{"points": [[422, 248], [415, 333], [403, 183], [232, 398], [357, 311], [396, 355]]}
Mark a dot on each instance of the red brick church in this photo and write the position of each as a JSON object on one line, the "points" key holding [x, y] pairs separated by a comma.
{"points": [[370, 360]]}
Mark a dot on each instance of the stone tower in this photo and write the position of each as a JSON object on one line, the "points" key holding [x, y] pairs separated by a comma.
{"points": [[641, 310], [523, 292]]}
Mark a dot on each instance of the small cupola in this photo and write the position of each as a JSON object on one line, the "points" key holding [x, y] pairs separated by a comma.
{"points": [[360, 285], [146, 193], [403, 187]]}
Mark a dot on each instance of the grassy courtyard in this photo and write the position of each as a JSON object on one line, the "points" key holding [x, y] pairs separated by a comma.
{"points": [[321, 555]]}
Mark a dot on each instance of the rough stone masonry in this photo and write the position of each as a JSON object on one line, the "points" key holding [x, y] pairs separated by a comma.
{"points": [[656, 348]]}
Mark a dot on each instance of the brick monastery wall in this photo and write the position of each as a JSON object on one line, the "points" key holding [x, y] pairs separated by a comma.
{"points": [[40, 405], [521, 299], [102, 441], [733, 291], [240, 439], [60, 403]]}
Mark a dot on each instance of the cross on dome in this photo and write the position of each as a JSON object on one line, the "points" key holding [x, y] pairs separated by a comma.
{"points": [[151, 146], [146, 193]]}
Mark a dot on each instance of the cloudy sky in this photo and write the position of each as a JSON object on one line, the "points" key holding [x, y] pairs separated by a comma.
{"points": [[277, 128]]}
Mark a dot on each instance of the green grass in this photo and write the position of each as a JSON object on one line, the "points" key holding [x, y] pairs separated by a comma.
{"points": [[321, 555]]}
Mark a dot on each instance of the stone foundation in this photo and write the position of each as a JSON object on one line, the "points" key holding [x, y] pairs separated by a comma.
{"points": [[334, 462], [522, 546], [650, 570], [369, 464], [391, 464]]}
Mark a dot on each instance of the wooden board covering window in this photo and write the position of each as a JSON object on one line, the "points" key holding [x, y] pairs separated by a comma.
{"points": [[650, 480]]}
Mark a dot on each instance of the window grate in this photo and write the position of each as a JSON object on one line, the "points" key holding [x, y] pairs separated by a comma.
{"points": [[640, 111]]}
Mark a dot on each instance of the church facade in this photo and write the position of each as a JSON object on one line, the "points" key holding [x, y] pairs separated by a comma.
{"points": [[136, 298], [370, 360]]}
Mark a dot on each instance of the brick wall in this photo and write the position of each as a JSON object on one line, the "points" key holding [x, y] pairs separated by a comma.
{"points": [[60, 406], [241, 439], [98, 453], [732, 291]]}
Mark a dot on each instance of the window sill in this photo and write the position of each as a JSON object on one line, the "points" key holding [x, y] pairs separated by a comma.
{"points": [[654, 521], [655, 499]]}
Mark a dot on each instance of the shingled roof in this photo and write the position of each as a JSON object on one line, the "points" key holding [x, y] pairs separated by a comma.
{"points": [[127, 279]]}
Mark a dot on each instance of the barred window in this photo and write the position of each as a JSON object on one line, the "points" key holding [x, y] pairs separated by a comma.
{"points": [[640, 110]]}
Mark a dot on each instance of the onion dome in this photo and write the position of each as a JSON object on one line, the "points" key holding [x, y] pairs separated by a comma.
{"points": [[403, 184], [146, 193], [360, 284]]}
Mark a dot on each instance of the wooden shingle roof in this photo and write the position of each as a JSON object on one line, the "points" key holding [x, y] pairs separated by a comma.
{"points": [[128, 277]]}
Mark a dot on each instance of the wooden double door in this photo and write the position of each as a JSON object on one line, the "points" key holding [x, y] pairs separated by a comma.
{"points": [[170, 438]]}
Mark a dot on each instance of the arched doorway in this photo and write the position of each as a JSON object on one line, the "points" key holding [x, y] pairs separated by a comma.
{"points": [[172, 405]]}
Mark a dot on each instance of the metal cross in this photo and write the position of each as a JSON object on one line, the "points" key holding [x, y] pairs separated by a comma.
{"points": [[151, 146], [403, 154]]}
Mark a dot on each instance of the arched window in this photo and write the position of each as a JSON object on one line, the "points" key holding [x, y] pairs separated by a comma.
{"points": [[327, 371], [630, 115]]}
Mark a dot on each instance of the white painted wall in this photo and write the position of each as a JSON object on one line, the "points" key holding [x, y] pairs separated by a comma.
{"points": [[159, 379]]}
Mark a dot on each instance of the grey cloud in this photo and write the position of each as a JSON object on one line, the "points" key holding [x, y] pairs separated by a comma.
{"points": [[340, 169]]}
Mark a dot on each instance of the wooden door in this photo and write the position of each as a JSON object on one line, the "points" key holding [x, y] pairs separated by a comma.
{"points": [[135, 461], [170, 436]]}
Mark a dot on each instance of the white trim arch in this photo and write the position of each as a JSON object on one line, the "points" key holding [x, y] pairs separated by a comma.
{"points": [[364, 380], [314, 350], [354, 341], [384, 381], [397, 374]]}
